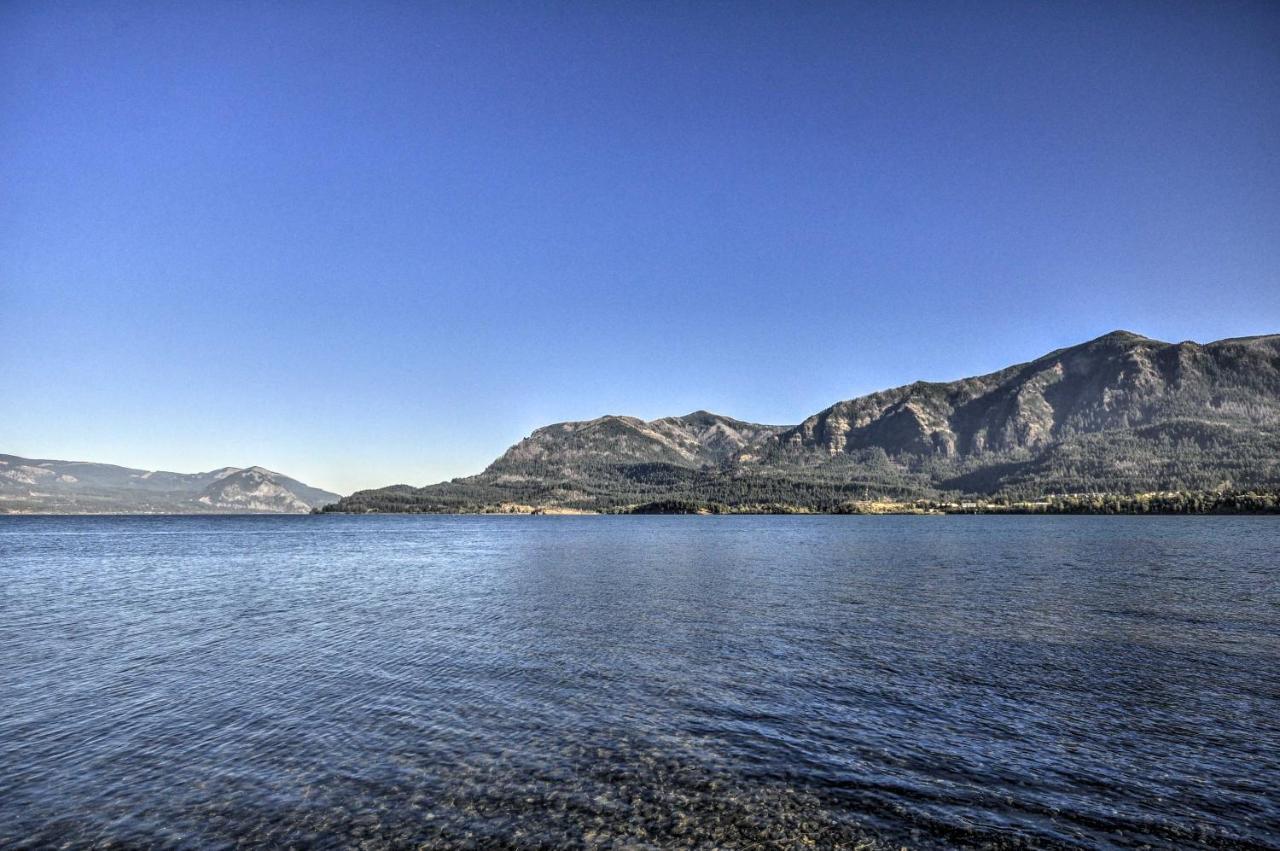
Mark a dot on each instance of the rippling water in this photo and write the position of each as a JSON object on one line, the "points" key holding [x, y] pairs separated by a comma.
{"points": [[736, 681]]}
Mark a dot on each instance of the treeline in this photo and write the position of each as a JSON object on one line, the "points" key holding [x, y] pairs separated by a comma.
{"points": [[775, 496], [1185, 502], [1191, 502], [608, 488]]}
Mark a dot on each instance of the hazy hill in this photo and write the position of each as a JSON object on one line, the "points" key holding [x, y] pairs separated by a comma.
{"points": [[76, 487], [259, 489], [1121, 413]]}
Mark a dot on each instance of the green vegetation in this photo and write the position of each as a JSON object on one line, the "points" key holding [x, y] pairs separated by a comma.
{"points": [[1184, 502], [770, 495], [680, 506]]}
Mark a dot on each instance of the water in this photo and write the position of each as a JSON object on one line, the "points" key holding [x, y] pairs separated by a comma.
{"points": [[639, 681]]}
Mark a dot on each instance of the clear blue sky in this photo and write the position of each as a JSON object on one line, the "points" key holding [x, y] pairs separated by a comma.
{"points": [[372, 243]]}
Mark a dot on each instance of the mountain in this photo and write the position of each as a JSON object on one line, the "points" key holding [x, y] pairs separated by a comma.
{"points": [[1119, 414], [30, 485], [572, 448], [259, 489]]}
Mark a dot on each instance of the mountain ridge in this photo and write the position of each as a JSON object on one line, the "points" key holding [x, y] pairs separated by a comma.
{"points": [[1121, 412], [51, 486]]}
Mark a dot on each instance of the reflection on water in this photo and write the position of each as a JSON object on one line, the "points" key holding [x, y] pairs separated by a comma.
{"points": [[639, 681]]}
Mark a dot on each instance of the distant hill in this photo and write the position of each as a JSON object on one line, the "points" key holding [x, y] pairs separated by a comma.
{"points": [[1121, 414], [32, 485]]}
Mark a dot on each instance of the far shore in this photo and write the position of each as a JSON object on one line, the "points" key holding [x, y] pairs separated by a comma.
{"points": [[1151, 503], [1161, 503]]}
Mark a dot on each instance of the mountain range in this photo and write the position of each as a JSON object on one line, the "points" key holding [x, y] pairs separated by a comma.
{"points": [[1119, 414], [30, 485]]}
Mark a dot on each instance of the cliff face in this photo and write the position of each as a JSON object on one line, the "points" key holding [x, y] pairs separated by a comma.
{"points": [[1120, 413]]}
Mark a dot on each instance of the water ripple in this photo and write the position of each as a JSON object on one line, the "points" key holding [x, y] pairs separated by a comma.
{"points": [[387, 682]]}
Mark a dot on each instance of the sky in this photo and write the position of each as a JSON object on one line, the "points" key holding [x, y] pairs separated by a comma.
{"points": [[369, 243]]}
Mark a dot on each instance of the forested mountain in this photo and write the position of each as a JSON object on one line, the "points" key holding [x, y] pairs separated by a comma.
{"points": [[1121, 414], [34, 485]]}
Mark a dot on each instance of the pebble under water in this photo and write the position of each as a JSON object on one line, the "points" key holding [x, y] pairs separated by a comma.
{"points": [[749, 682]]}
